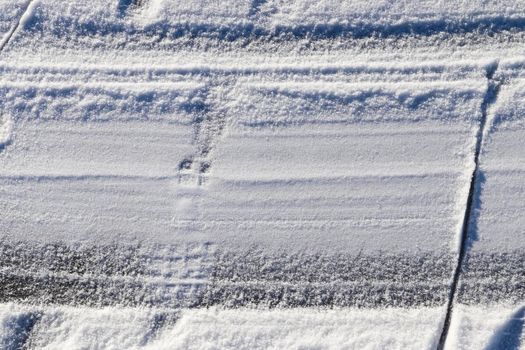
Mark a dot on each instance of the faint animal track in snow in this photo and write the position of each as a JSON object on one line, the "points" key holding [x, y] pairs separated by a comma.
{"points": [[209, 126], [194, 170]]}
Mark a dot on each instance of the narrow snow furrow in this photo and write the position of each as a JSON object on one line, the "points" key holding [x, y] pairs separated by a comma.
{"points": [[242, 33], [186, 74]]}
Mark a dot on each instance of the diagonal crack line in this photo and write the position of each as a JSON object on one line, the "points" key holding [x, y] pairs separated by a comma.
{"points": [[491, 96], [25, 14]]}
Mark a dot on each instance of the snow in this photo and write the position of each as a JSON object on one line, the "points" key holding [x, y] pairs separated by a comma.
{"points": [[6, 128], [357, 164], [77, 328], [259, 174]]}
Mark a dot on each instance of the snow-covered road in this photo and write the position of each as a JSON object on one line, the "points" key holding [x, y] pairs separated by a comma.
{"points": [[261, 174]]}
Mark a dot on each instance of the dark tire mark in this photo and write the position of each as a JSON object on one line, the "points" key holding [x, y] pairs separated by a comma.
{"points": [[493, 278]]}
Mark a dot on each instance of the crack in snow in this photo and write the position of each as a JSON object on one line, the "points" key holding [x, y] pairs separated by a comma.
{"points": [[491, 96]]}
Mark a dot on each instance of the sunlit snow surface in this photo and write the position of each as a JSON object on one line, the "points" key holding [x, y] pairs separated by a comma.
{"points": [[260, 174]]}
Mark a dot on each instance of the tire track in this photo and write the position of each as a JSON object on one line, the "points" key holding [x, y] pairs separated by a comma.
{"points": [[491, 96]]}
